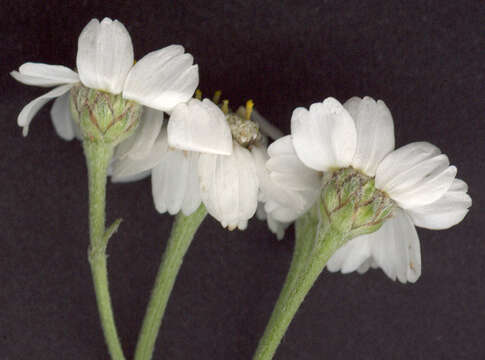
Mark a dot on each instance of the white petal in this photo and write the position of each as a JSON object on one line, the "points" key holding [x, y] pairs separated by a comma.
{"points": [[62, 119], [162, 79], [284, 213], [131, 178], [415, 175], [325, 136], [128, 166], [229, 186], [445, 212], [29, 110], [274, 187], [366, 265], [175, 183], [200, 126], [375, 132], [277, 227], [350, 257], [265, 126], [104, 55], [140, 144], [395, 248], [44, 75]]}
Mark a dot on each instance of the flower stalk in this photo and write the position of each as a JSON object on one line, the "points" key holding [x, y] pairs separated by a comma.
{"points": [[181, 237], [98, 156], [314, 245], [350, 206]]}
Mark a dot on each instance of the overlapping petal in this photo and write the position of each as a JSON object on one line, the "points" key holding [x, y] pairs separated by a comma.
{"points": [[128, 166], [105, 55], [200, 126], [175, 182], [229, 186], [375, 132], [140, 144], [288, 191], [447, 211], [64, 124], [394, 248], [351, 256], [325, 136], [415, 175], [162, 79]]}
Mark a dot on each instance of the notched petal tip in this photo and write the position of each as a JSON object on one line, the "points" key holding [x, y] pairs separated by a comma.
{"points": [[200, 126]]}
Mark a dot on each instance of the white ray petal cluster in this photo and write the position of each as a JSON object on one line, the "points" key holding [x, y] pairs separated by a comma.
{"points": [[360, 134], [105, 61], [194, 159]]}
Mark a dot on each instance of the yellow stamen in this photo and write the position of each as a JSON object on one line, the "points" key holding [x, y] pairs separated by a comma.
{"points": [[249, 109], [225, 107], [217, 97], [198, 94]]}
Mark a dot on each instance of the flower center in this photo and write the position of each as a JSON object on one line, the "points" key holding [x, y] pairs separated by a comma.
{"points": [[244, 131]]}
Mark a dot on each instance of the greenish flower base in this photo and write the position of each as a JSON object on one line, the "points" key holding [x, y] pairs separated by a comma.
{"points": [[183, 232], [98, 156]]}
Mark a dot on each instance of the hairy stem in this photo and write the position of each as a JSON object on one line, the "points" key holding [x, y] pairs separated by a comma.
{"points": [[183, 232], [98, 156]]}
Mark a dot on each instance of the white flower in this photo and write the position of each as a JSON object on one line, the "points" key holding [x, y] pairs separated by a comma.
{"points": [[198, 161], [417, 177], [105, 61]]}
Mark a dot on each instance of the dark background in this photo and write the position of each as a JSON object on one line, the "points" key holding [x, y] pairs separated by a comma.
{"points": [[425, 59]]}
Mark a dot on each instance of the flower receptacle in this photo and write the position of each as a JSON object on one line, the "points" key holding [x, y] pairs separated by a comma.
{"points": [[103, 117]]}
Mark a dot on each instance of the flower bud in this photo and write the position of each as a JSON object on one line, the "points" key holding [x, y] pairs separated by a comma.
{"points": [[352, 203], [102, 116]]}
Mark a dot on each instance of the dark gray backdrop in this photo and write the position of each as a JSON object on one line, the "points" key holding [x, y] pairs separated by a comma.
{"points": [[424, 59]]}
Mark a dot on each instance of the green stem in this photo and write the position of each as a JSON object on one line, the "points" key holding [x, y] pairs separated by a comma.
{"points": [[98, 156], [183, 232], [311, 253]]}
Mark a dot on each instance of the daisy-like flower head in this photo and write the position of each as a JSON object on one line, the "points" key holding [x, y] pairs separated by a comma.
{"points": [[415, 184], [105, 62], [205, 154]]}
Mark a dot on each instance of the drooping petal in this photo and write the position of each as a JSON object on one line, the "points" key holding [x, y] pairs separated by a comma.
{"points": [[415, 175], [350, 257], [162, 79], [43, 75], [104, 55], [375, 132], [128, 166], [277, 227], [229, 186], [447, 211], [175, 182], [29, 110], [324, 136], [395, 248], [62, 119], [199, 126], [140, 144], [131, 178]]}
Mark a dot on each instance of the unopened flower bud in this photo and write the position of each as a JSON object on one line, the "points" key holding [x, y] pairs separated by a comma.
{"points": [[102, 116], [352, 203]]}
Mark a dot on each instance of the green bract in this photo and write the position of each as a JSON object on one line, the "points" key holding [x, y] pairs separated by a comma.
{"points": [[104, 117], [351, 202]]}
